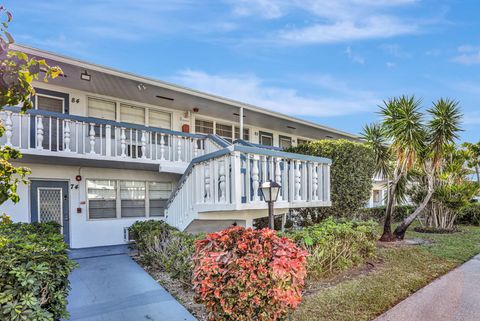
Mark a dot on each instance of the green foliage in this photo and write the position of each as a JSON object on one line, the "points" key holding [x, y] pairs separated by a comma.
{"points": [[352, 169], [470, 214], [34, 269], [17, 71], [162, 247], [336, 246], [378, 213]]}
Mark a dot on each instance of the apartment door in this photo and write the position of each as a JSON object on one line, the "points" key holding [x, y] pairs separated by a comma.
{"points": [[49, 202], [55, 102]]}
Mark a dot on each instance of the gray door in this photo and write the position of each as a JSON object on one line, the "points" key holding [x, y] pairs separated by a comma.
{"points": [[49, 202]]}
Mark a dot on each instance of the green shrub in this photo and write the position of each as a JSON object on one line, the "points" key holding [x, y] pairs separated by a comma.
{"points": [[469, 215], [352, 170], [34, 270], [164, 248], [378, 213], [335, 246]]}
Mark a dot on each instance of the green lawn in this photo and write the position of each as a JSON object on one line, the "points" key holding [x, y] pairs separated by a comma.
{"points": [[399, 272]]}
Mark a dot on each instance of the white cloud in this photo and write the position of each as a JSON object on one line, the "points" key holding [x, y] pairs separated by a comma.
{"points": [[333, 21], [265, 8], [468, 55], [390, 64], [340, 100], [354, 57], [349, 30]]}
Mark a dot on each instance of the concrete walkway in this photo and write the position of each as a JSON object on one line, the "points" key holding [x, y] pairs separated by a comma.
{"points": [[453, 297], [110, 286]]}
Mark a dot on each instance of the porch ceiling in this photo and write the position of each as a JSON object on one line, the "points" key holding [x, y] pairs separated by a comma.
{"points": [[114, 83]]}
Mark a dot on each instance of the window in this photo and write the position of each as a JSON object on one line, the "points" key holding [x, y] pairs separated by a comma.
{"points": [[102, 195], [224, 131], [285, 142], [158, 196], [132, 114], [377, 197], [50, 104], [246, 133], [103, 109], [266, 139], [132, 195], [132, 201], [301, 141], [203, 127], [159, 119]]}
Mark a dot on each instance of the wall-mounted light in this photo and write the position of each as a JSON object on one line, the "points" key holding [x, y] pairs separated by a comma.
{"points": [[85, 76]]}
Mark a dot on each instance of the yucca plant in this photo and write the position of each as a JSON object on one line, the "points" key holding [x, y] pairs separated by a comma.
{"points": [[413, 143]]}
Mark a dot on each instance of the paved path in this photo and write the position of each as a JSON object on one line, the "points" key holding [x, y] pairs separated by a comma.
{"points": [[453, 297], [110, 286]]}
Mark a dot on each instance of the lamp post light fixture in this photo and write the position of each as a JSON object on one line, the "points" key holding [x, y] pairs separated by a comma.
{"points": [[270, 191]]}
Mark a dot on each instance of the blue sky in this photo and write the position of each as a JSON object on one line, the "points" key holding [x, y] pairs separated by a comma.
{"points": [[327, 61]]}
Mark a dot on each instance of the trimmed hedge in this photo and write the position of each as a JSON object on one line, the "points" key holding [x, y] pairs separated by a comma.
{"points": [[334, 246], [164, 248], [34, 270], [378, 213], [469, 215], [352, 170]]}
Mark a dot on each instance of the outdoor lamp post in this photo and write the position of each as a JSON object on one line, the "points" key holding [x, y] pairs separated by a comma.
{"points": [[270, 191]]}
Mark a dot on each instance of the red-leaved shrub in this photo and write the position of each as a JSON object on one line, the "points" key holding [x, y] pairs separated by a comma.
{"points": [[243, 275]]}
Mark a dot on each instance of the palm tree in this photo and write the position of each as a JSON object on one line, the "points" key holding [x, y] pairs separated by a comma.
{"points": [[472, 152], [402, 126], [375, 137], [440, 132]]}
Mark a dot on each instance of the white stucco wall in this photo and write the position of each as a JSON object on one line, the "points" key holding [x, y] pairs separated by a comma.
{"points": [[83, 232]]}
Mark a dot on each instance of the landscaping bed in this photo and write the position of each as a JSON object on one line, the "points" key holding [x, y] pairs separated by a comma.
{"points": [[361, 283]]}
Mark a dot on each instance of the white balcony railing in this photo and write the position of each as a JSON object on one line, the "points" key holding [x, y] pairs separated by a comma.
{"points": [[47, 133], [230, 179]]}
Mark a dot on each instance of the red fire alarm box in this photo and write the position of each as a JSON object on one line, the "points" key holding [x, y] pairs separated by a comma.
{"points": [[185, 128]]}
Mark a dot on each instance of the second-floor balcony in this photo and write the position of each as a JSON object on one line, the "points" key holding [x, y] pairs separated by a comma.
{"points": [[85, 140]]}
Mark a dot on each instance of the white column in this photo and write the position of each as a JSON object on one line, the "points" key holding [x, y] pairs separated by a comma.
{"points": [[123, 142], [162, 146], [255, 182], [9, 127], [195, 147], [278, 178], [314, 182], [92, 138], [108, 140], [143, 140], [297, 180], [221, 172], [66, 135], [179, 149], [207, 182], [39, 132], [241, 123]]}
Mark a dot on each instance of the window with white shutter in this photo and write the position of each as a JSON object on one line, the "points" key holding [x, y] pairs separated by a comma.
{"points": [[159, 119], [158, 193], [132, 114], [102, 196], [132, 195], [100, 108]]}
